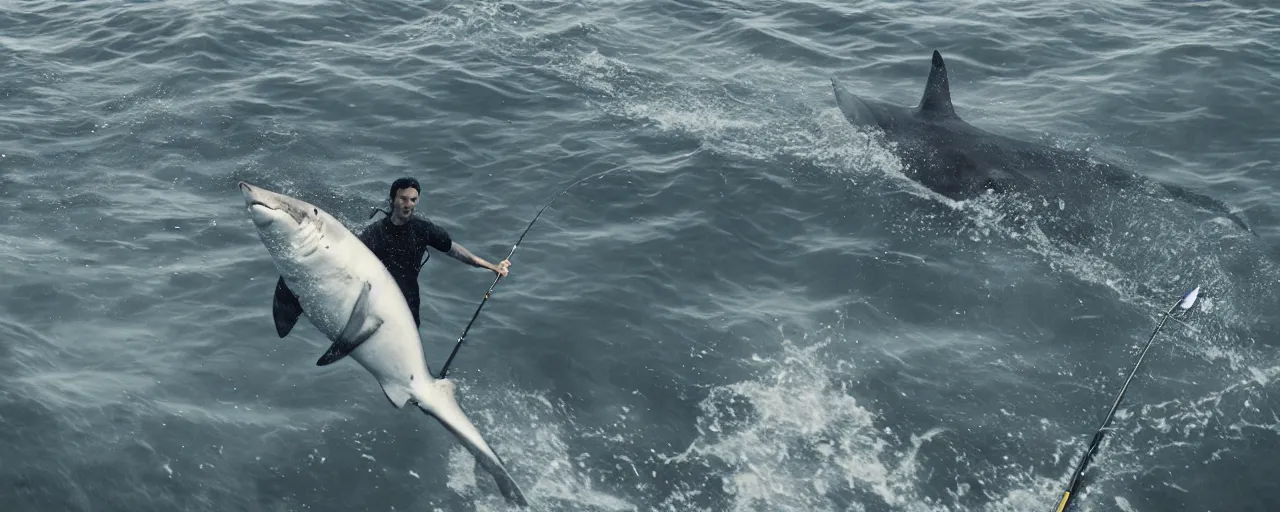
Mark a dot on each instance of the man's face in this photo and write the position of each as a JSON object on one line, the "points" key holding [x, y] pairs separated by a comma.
{"points": [[405, 201]]}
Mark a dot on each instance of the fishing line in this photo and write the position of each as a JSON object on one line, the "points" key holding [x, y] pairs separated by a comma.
{"points": [[1183, 306], [445, 369]]}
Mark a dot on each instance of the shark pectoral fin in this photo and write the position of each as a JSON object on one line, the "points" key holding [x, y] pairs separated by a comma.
{"points": [[285, 308], [1208, 203], [360, 326]]}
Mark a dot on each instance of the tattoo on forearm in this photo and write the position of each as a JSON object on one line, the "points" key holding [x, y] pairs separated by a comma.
{"points": [[460, 253]]}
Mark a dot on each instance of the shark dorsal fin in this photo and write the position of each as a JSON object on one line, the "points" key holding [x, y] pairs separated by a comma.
{"points": [[936, 101]]}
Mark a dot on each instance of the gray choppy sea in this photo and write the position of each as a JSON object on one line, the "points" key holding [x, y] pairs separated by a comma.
{"points": [[758, 312]]}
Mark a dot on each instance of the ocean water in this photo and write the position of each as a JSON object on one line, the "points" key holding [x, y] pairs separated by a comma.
{"points": [[756, 311]]}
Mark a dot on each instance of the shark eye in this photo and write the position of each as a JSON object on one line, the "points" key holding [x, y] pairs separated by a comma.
{"points": [[315, 211]]}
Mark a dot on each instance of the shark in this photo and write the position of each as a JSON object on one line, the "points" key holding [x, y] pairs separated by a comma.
{"points": [[960, 161], [350, 297]]}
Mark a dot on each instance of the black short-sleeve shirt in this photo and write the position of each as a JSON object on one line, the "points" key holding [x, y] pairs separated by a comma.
{"points": [[401, 247]]}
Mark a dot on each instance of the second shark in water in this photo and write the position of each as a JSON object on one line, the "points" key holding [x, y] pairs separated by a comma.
{"points": [[960, 161]]}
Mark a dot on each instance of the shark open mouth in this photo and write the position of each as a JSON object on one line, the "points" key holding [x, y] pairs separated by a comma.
{"points": [[260, 218], [248, 191]]}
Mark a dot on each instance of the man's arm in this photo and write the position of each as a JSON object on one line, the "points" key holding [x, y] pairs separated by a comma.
{"points": [[439, 239], [460, 253]]}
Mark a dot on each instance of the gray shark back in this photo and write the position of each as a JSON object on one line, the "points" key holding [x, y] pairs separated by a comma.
{"points": [[960, 161]]}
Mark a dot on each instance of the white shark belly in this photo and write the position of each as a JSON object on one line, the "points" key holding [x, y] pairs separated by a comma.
{"points": [[328, 283]]}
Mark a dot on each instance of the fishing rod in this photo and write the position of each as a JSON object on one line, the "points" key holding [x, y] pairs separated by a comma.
{"points": [[1183, 306], [445, 369]]}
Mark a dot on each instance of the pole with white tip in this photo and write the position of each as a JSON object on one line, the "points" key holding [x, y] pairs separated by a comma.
{"points": [[1182, 307]]}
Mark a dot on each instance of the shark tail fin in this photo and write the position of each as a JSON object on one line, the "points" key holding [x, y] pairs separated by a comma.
{"points": [[1208, 203], [438, 401]]}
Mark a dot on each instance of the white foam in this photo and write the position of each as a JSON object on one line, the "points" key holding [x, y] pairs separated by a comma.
{"points": [[805, 440], [527, 431]]}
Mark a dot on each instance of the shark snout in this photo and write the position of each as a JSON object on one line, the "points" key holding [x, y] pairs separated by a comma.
{"points": [[247, 191], [254, 195], [258, 202], [266, 206], [855, 110]]}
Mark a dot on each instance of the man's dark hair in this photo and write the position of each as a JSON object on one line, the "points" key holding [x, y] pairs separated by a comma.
{"points": [[402, 184]]}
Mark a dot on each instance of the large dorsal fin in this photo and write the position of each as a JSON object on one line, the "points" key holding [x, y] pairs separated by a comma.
{"points": [[936, 101]]}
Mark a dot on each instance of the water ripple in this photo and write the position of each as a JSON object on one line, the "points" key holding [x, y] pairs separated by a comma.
{"points": [[756, 296]]}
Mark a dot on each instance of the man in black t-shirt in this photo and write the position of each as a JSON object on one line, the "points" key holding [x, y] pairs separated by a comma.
{"points": [[399, 240]]}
